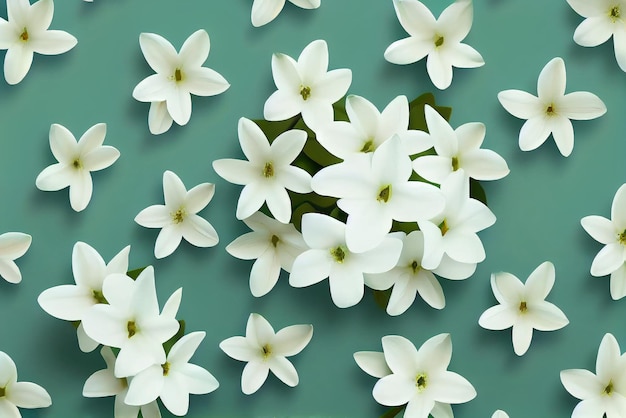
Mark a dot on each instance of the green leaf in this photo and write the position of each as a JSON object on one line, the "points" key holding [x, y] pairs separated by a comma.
{"points": [[339, 109], [406, 227], [133, 274], [417, 119], [296, 216], [167, 345], [273, 129], [307, 164], [392, 412], [477, 192], [381, 297], [314, 150]]}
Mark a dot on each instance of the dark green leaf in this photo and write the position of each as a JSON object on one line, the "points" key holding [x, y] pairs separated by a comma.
{"points": [[273, 129], [167, 345], [307, 164], [477, 192], [338, 214], [314, 150], [417, 120], [75, 324], [406, 227], [296, 217], [392, 412], [133, 274], [381, 297], [340, 110]]}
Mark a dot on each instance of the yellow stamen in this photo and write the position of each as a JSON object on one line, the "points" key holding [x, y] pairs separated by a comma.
{"points": [[438, 40], [522, 307], [24, 35], [166, 368], [305, 92], [384, 194], [131, 328], [338, 254], [178, 75], [178, 216], [275, 240], [268, 170]]}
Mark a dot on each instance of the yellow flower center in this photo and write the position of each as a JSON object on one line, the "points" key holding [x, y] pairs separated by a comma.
{"points": [[305, 92], [384, 194], [550, 110], [166, 368], [615, 13], [338, 254], [438, 40], [368, 146], [455, 163], [267, 351], [609, 388], [522, 307], [99, 297], [444, 228], [131, 328], [77, 164], [178, 216], [3, 392], [622, 238], [421, 380], [268, 170], [24, 35], [178, 75], [415, 266], [275, 240]]}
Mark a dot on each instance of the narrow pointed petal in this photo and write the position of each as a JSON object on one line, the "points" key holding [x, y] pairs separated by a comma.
{"points": [[249, 246], [552, 79], [199, 381], [444, 410], [17, 62], [174, 191], [618, 209], [591, 407], [609, 259], [236, 171], [239, 348], [285, 71], [520, 104], [453, 270], [309, 268], [174, 395], [167, 241], [419, 407], [85, 342], [62, 143], [295, 179], [253, 141], [199, 232], [522, 336], [265, 272], [282, 105], [81, 189], [100, 158], [66, 302], [372, 363], [322, 232], [259, 330], [251, 199], [102, 383], [279, 203], [155, 216], [195, 49], [402, 297], [93, 138], [307, 4], [452, 388], [433, 168], [608, 355], [199, 197], [253, 376], [507, 288], [159, 119], [430, 290], [580, 383], [14, 244], [42, 13], [170, 309], [382, 258], [362, 114], [287, 146], [563, 134], [534, 132], [464, 56], [29, 395], [290, 340], [547, 317], [264, 11], [365, 231], [138, 353], [464, 247], [145, 387], [408, 50], [439, 70], [179, 105], [400, 354], [456, 20], [540, 282], [53, 42], [313, 61], [581, 105], [158, 52], [414, 17], [154, 88], [484, 164], [205, 82], [497, 318], [284, 370], [442, 134]]}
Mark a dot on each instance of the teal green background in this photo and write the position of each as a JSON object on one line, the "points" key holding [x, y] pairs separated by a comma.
{"points": [[538, 206]]}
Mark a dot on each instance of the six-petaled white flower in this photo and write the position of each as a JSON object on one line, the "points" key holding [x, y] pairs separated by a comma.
{"points": [[76, 161], [439, 39], [178, 75], [26, 32], [603, 392], [306, 86], [267, 175], [551, 110], [14, 394], [265, 350], [13, 245], [179, 218], [264, 11], [523, 306]]}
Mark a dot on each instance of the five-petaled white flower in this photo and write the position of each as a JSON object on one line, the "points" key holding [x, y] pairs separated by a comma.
{"points": [[265, 350], [273, 245], [26, 32], [439, 39], [612, 233], [374, 190], [14, 394], [603, 392], [71, 302], [103, 383], [306, 86], [267, 174], [179, 218], [13, 245], [174, 380], [523, 306], [264, 11], [368, 129], [550, 112], [76, 161], [458, 149], [178, 75], [603, 19], [329, 256], [420, 378]]}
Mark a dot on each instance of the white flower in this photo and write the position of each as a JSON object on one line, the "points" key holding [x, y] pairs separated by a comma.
{"points": [[329, 256], [159, 119], [131, 322], [16, 394], [264, 350], [374, 189], [439, 39], [179, 218], [612, 233], [178, 75], [71, 302], [26, 32], [103, 383], [420, 378], [267, 174], [306, 86], [550, 112], [603, 392], [523, 306], [604, 18], [454, 231], [500, 414], [458, 149], [368, 129], [273, 245], [76, 161], [408, 278], [13, 245], [264, 11], [173, 380]]}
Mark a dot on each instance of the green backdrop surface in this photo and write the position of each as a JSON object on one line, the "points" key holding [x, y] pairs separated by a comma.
{"points": [[538, 206]]}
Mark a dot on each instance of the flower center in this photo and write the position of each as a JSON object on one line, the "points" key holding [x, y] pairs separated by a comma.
{"points": [[455, 163], [267, 351], [305, 92], [268, 170], [99, 297], [415, 266], [550, 111], [384, 194], [444, 228], [368, 146], [77, 164], [622, 238], [131, 328], [438, 40], [3, 392], [275, 240], [609, 388], [24, 35], [338, 254], [178, 216], [166, 368], [522, 307], [421, 380], [178, 75], [615, 13]]}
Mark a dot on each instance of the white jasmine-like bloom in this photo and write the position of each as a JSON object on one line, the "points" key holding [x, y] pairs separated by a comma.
{"points": [[420, 378], [454, 231], [603, 392], [329, 256], [13, 245], [267, 174], [178, 218], [523, 306], [458, 149], [178, 75], [550, 112], [159, 119], [131, 322], [306, 86], [273, 245], [500, 414], [264, 11], [18, 394], [26, 32], [76, 161], [408, 278], [603, 19], [71, 302], [376, 190], [439, 39], [265, 350], [612, 233], [103, 383], [173, 380], [368, 129]]}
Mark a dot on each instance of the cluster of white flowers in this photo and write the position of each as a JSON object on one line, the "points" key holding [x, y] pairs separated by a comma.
{"points": [[122, 314]]}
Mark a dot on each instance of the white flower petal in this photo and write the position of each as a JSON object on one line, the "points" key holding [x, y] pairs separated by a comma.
{"points": [[52, 42], [265, 272], [540, 282], [520, 104], [322, 232], [85, 342], [101, 384], [174, 395], [264, 11], [394, 390], [507, 288], [419, 406], [400, 354], [284, 70], [100, 158], [199, 232], [414, 17], [290, 340], [249, 246], [155, 216], [453, 270], [253, 376], [198, 380], [17, 62], [609, 259], [284, 370], [307, 4], [546, 317], [619, 45], [158, 52], [456, 20], [464, 247], [618, 209], [159, 119], [346, 286], [439, 69], [497, 318], [282, 105], [195, 49], [9, 271], [278, 202], [563, 134], [534, 132], [167, 241], [618, 283], [204, 81], [372, 363], [430, 290], [179, 105], [236, 171], [552, 79], [239, 348], [252, 198], [14, 244], [81, 189], [408, 50], [581, 384], [8, 410], [581, 105], [29, 395], [464, 56], [146, 386], [313, 61], [55, 177], [484, 164], [154, 88], [66, 302], [450, 387], [433, 168], [522, 336]]}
